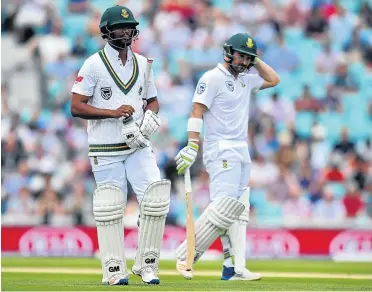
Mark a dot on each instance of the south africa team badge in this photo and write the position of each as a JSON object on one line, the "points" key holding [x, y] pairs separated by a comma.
{"points": [[106, 92]]}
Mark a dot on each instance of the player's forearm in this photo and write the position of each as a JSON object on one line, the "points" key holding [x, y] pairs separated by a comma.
{"points": [[88, 112], [194, 136], [153, 105], [267, 73], [196, 115]]}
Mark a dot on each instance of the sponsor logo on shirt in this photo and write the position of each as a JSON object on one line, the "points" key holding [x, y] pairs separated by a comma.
{"points": [[229, 85], [79, 79], [201, 87]]}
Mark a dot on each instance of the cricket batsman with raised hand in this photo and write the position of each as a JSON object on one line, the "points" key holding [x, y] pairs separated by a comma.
{"points": [[115, 92], [221, 103]]}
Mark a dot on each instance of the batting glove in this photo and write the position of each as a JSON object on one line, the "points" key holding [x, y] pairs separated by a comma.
{"points": [[133, 136], [186, 157], [150, 124]]}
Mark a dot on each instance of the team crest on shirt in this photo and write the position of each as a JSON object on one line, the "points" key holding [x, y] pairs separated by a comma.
{"points": [[201, 87], [229, 85], [106, 92]]}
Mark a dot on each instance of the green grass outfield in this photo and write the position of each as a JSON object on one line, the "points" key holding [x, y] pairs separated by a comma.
{"points": [[66, 274]]}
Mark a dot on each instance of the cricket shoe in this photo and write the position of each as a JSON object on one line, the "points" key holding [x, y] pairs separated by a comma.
{"points": [[147, 275], [181, 268], [228, 274], [117, 280]]}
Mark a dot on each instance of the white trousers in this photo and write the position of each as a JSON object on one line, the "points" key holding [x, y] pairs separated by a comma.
{"points": [[139, 168], [228, 164]]}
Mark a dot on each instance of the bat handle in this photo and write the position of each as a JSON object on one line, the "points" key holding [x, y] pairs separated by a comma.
{"points": [[187, 181]]}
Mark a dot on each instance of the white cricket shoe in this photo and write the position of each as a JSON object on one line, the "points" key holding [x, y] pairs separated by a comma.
{"points": [[247, 275], [181, 268], [118, 280], [147, 275]]}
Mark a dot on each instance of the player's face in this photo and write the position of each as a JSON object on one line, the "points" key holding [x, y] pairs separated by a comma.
{"points": [[123, 36], [241, 61]]}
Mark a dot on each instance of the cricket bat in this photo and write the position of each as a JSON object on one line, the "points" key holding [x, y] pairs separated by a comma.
{"points": [[190, 225], [147, 78]]}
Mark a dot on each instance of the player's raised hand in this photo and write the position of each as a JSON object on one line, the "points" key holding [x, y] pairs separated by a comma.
{"points": [[123, 111], [186, 157]]}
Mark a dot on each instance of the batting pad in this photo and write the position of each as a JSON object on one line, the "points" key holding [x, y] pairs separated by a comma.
{"points": [[154, 209], [237, 234], [108, 207], [214, 221]]}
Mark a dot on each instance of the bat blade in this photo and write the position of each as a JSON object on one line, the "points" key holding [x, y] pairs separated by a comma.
{"points": [[190, 224]]}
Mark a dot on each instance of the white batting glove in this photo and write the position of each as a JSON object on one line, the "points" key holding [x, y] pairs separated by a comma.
{"points": [[133, 136], [186, 157], [150, 124]]}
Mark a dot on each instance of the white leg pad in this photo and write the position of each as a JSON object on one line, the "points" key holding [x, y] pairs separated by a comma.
{"points": [[237, 234], [108, 209], [214, 221], [154, 209]]}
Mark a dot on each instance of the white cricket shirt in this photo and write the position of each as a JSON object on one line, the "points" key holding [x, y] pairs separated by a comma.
{"points": [[111, 84], [227, 100]]}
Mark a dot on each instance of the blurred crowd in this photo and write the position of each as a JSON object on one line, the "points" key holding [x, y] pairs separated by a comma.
{"points": [[310, 137]]}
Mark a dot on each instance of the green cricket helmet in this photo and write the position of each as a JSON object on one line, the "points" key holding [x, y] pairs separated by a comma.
{"points": [[240, 42], [119, 17]]}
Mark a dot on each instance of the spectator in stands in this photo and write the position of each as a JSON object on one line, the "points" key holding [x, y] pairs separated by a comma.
{"points": [[345, 145], [61, 68], [331, 100], [352, 201], [22, 203], [296, 208], [316, 24], [333, 173], [326, 60], [294, 13], [279, 109], [77, 203], [78, 6], [365, 13], [285, 155], [305, 175], [267, 143], [280, 188], [353, 45], [53, 45], [12, 151], [263, 173], [49, 205], [307, 102], [319, 148], [201, 187], [93, 24], [31, 15], [283, 59], [341, 25], [361, 172], [343, 80], [78, 48], [329, 210]]}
